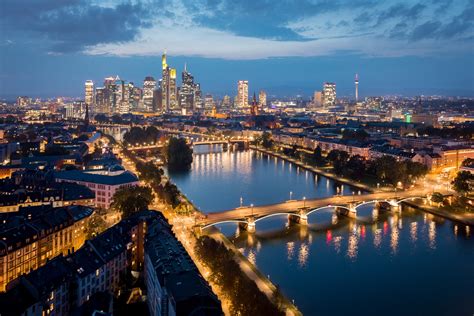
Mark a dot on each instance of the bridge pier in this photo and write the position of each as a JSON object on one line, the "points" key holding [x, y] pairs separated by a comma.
{"points": [[349, 212], [301, 219], [394, 206], [248, 226]]}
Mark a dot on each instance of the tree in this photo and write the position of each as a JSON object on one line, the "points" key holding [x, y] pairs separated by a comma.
{"points": [[179, 154], [415, 170], [467, 162], [170, 194], [463, 183], [266, 140], [437, 198], [102, 118], [355, 167], [318, 156], [129, 200], [358, 134], [339, 159], [149, 172], [96, 225]]}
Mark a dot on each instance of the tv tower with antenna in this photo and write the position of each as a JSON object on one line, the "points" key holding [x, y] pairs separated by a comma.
{"points": [[356, 81]]}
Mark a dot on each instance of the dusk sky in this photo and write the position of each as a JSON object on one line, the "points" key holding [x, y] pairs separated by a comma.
{"points": [[50, 47]]}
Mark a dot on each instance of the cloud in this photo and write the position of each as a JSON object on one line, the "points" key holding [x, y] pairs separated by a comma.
{"points": [[244, 29], [71, 25], [401, 11], [425, 30]]}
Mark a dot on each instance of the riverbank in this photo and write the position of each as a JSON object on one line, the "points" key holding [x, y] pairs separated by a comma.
{"points": [[251, 271], [317, 170], [466, 218], [182, 226]]}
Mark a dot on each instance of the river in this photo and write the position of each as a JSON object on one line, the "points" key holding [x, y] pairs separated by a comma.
{"points": [[381, 263]]}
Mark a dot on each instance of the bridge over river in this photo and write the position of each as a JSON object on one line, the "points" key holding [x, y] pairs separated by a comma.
{"points": [[298, 210]]}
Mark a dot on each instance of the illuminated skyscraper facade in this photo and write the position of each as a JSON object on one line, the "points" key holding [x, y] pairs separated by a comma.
{"points": [[169, 93], [89, 93], [149, 87], [186, 93], [243, 93], [317, 99], [226, 102], [329, 94]]}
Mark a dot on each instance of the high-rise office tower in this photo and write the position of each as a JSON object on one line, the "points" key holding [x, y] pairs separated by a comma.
{"points": [[101, 100], [356, 81], [169, 92], [136, 96], [243, 93], [317, 99], [226, 102], [165, 81], [209, 102], [262, 99], [173, 90], [149, 87], [89, 95], [186, 92], [329, 94], [121, 100], [111, 87], [198, 104]]}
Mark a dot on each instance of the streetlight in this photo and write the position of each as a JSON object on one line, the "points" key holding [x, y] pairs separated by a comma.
{"points": [[353, 196], [304, 201], [251, 208], [291, 193], [241, 201]]}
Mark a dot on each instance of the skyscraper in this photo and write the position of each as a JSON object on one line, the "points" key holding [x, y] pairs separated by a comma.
{"points": [[89, 95], [186, 92], [209, 102], [356, 81], [243, 93], [169, 93], [121, 102], [173, 91], [317, 99], [329, 94], [165, 97], [226, 103], [149, 87], [198, 104], [262, 99]]}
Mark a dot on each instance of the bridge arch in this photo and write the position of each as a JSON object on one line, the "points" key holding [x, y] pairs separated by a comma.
{"points": [[223, 222], [410, 198], [275, 214], [368, 202], [327, 206]]}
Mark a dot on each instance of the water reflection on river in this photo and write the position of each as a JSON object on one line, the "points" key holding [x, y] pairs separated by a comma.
{"points": [[381, 263]]}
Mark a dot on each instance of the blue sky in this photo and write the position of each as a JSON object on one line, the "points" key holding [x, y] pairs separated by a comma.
{"points": [[410, 47]]}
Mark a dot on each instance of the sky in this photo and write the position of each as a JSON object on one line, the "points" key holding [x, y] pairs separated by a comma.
{"points": [[287, 47]]}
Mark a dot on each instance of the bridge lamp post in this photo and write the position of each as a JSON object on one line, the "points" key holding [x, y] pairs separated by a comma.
{"points": [[241, 201], [291, 193], [353, 196], [304, 201], [251, 209]]}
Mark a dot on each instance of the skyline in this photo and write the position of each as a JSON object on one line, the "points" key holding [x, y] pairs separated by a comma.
{"points": [[285, 50]]}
